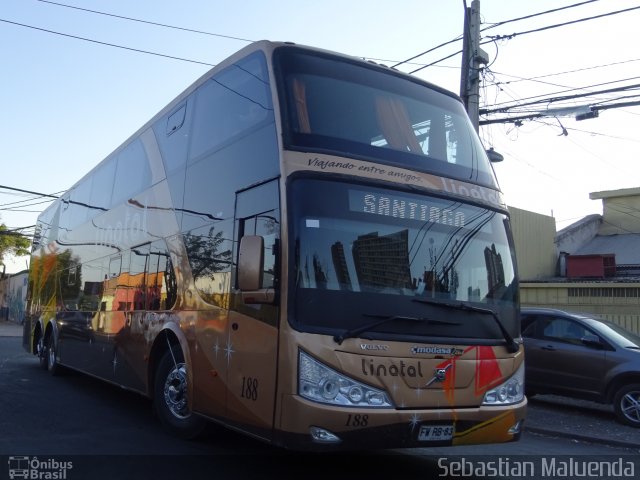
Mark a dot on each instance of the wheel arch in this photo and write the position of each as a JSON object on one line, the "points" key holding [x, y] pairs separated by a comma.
{"points": [[169, 337], [37, 332], [619, 381], [43, 329]]}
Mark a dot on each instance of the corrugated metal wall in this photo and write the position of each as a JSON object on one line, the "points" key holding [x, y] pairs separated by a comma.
{"points": [[618, 302], [534, 236]]}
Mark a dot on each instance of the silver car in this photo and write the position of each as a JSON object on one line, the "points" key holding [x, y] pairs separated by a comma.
{"points": [[583, 357]]}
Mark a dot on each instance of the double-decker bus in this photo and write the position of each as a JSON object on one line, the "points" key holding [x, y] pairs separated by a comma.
{"points": [[303, 246]]}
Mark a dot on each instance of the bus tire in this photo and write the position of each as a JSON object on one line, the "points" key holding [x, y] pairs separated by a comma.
{"points": [[170, 399], [41, 351], [50, 352]]}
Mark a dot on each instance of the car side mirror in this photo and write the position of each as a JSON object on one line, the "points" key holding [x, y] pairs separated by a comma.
{"points": [[592, 341]]}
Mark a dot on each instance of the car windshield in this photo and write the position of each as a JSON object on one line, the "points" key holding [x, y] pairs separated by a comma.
{"points": [[361, 251], [615, 333]]}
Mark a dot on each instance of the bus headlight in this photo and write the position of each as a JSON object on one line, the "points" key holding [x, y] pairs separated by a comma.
{"points": [[511, 391], [319, 383]]}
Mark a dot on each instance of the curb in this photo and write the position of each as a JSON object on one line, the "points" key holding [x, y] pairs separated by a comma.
{"points": [[10, 329], [582, 438]]}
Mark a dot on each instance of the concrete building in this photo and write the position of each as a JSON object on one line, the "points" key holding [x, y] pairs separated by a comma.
{"points": [[13, 296], [596, 267]]}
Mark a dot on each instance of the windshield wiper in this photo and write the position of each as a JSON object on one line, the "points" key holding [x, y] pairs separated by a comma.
{"points": [[382, 319], [512, 345]]}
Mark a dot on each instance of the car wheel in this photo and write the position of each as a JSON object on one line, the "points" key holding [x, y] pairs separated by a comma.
{"points": [[171, 397], [626, 404]]}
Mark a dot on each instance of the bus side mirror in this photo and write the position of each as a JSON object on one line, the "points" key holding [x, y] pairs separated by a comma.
{"points": [[494, 157], [250, 270]]}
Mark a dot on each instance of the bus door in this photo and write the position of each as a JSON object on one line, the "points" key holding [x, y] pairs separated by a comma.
{"points": [[103, 359], [253, 323]]}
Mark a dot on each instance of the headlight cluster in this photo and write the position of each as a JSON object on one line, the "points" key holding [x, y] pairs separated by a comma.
{"points": [[319, 383], [511, 391]]}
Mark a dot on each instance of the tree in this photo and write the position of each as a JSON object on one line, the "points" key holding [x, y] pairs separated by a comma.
{"points": [[205, 255], [12, 242]]}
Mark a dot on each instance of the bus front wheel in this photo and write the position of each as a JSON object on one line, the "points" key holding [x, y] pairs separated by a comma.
{"points": [[171, 397]]}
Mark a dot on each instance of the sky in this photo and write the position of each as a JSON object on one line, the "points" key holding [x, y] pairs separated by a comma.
{"points": [[76, 84]]}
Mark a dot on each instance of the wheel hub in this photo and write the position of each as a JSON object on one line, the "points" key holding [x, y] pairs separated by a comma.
{"points": [[52, 356], [630, 406], [175, 391]]}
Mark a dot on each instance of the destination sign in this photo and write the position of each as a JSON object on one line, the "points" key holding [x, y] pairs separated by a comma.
{"points": [[396, 206]]}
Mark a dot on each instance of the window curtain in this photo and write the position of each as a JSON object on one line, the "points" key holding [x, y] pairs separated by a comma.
{"points": [[394, 122], [300, 97]]}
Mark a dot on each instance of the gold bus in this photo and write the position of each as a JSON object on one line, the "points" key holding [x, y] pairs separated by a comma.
{"points": [[303, 246]]}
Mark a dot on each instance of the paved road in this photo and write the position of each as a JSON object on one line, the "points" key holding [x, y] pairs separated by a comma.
{"points": [[579, 420], [114, 431]]}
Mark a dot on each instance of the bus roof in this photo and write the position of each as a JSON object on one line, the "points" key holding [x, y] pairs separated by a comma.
{"points": [[267, 47]]}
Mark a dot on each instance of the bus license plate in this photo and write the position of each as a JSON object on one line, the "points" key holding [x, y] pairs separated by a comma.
{"points": [[431, 433]]}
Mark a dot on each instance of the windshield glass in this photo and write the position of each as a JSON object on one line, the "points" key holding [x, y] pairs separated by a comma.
{"points": [[334, 105], [359, 251], [615, 333]]}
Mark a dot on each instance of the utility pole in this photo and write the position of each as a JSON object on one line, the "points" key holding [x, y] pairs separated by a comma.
{"points": [[472, 57]]}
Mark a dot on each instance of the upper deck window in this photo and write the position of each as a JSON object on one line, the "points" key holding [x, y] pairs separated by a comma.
{"points": [[231, 104], [333, 105]]}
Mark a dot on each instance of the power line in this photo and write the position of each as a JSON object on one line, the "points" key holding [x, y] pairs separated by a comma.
{"points": [[537, 77], [21, 211], [76, 37], [487, 28], [599, 134], [457, 39], [518, 104], [18, 229], [15, 232], [502, 84], [22, 203], [548, 27], [4, 187], [518, 119], [498, 24], [565, 97], [437, 61], [513, 35], [15, 208], [202, 32]]}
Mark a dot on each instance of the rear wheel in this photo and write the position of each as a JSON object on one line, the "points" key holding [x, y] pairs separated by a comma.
{"points": [[626, 404], [171, 401], [51, 351], [41, 350]]}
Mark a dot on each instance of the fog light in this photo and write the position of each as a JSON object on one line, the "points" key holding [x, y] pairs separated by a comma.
{"points": [[516, 428], [323, 436]]}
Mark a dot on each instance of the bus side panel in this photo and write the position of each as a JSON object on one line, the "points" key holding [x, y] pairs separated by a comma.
{"points": [[251, 354], [209, 354]]}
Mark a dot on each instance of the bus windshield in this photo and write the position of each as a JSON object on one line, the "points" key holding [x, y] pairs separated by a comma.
{"points": [[361, 252], [334, 106]]}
